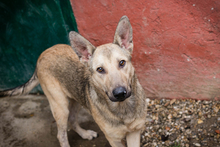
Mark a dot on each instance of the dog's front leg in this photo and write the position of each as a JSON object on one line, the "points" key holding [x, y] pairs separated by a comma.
{"points": [[115, 143], [133, 139]]}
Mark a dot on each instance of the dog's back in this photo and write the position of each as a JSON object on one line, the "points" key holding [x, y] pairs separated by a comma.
{"points": [[60, 63]]}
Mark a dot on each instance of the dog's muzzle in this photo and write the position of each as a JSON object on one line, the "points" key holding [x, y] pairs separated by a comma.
{"points": [[120, 94]]}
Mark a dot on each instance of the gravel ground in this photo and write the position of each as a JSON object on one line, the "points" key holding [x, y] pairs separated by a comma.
{"points": [[182, 123]]}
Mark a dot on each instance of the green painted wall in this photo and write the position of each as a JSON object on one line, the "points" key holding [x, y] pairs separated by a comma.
{"points": [[27, 28]]}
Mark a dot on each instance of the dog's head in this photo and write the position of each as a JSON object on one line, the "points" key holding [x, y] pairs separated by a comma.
{"points": [[110, 64]]}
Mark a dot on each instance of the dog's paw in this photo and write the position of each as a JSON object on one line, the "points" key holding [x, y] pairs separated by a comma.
{"points": [[89, 134]]}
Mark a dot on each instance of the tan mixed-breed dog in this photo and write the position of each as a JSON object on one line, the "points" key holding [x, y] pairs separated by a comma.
{"points": [[101, 79]]}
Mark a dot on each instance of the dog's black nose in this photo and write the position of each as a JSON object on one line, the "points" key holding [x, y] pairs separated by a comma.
{"points": [[119, 93]]}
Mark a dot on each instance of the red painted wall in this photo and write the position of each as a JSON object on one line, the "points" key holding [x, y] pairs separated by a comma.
{"points": [[176, 42]]}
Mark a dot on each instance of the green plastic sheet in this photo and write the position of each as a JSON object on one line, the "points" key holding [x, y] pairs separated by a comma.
{"points": [[27, 28]]}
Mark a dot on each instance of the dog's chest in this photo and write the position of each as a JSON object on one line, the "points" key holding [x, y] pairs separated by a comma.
{"points": [[119, 130]]}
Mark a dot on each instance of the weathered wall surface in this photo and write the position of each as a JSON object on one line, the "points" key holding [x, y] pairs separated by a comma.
{"points": [[176, 43]]}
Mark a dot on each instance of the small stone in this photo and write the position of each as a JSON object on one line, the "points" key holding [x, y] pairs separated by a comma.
{"points": [[196, 144], [194, 136], [178, 116], [218, 119], [188, 131], [175, 108], [169, 116], [149, 120], [167, 103], [217, 131], [200, 113], [206, 102], [211, 134], [157, 106], [216, 109], [200, 121], [174, 114], [172, 101], [155, 117], [167, 128]]}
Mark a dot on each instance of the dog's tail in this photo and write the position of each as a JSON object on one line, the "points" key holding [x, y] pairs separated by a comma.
{"points": [[22, 89]]}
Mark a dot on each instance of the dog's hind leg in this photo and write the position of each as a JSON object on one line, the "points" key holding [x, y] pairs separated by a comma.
{"points": [[74, 107], [59, 107]]}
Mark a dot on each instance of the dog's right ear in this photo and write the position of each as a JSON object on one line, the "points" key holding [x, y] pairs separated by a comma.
{"points": [[83, 48], [124, 35]]}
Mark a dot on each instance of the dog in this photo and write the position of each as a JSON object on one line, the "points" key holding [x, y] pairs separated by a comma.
{"points": [[102, 79]]}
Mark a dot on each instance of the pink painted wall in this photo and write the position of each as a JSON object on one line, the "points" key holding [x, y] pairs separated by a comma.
{"points": [[176, 42]]}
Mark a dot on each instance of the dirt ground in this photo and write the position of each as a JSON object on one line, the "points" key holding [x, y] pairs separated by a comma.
{"points": [[27, 122]]}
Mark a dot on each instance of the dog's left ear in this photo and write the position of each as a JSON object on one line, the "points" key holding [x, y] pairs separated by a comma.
{"points": [[124, 35]]}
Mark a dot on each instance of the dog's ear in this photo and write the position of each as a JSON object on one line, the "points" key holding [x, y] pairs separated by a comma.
{"points": [[124, 35], [83, 48]]}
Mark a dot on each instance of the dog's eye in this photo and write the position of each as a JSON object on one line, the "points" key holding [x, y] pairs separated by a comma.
{"points": [[122, 63], [100, 70]]}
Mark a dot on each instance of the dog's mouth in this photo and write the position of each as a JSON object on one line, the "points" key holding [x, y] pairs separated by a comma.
{"points": [[119, 94]]}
